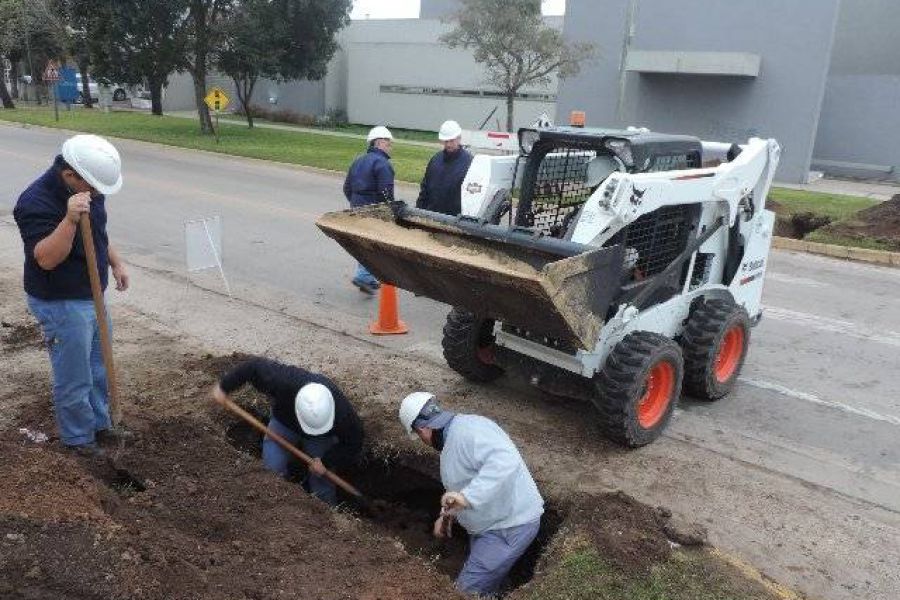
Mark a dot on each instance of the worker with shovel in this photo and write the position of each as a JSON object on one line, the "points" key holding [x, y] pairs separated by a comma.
{"points": [[306, 408], [58, 282], [489, 489]]}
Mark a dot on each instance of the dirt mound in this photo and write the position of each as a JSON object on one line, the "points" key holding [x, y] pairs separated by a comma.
{"points": [[881, 222]]}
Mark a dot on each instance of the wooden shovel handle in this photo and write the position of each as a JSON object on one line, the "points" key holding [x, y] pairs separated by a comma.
{"points": [[90, 254], [256, 424]]}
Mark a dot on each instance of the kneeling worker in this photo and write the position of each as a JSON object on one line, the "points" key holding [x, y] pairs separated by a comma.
{"points": [[307, 408], [489, 489]]}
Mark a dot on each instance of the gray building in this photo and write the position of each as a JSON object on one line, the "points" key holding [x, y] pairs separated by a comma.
{"points": [[718, 69]]}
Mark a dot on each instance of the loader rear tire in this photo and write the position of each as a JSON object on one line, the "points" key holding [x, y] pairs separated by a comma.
{"points": [[469, 346], [638, 387], [715, 342]]}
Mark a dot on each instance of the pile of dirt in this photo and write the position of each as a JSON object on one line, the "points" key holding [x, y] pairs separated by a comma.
{"points": [[795, 225], [880, 222]]}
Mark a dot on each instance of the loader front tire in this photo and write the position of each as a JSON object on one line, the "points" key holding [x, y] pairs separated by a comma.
{"points": [[638, 387], [715, 342], [469, 346]]}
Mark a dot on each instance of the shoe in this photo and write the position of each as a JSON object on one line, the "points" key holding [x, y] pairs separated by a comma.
{"points": [[87, 450], [113, 435], [367, 287]]}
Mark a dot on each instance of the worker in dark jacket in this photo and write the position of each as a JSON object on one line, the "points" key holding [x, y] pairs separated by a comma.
{"points": [[442, 185], [370, 180], [57, 285], [307, 408]]}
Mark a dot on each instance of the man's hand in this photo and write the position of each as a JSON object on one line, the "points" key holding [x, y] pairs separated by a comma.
{"points": [[453, 502], [120, 273], [78, 205], [316, 467], [219, 395]]}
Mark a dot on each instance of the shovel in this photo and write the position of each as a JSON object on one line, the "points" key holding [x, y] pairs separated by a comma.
{"points": [[229, 404], [90, 253]]}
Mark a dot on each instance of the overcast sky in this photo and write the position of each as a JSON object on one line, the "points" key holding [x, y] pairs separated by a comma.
{"points": [[409, 9]]}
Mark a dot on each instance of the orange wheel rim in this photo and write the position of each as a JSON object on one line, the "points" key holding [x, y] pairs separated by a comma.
{"points": [[730, 353], [657, 394]]}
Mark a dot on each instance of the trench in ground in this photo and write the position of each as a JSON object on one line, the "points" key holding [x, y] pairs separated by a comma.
{"points": [[404, 503]]}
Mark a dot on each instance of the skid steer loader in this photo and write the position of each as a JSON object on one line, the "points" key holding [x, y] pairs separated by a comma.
{"points": [[614, 266]]}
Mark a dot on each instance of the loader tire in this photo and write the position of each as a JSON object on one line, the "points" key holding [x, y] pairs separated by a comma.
{"points": [[715, 342], [469, 346], [638, 387]]}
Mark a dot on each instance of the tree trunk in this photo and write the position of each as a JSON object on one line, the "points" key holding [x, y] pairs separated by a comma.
{"points": [[244, 88], [14, 80], [155, 95], [4, 94], [199, 75], [86, 97], [510, 99]]}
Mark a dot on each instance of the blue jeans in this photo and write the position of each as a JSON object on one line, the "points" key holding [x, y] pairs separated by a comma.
{"points": [[491, 556], [363, 275], [277, 459], [80, 400]]}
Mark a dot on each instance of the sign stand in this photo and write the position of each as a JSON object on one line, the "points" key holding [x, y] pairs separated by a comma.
{"points": [[217, 100], [51, 78], [203, 247]]}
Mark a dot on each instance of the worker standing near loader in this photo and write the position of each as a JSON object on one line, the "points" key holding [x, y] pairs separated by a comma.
{"points": [[441, 188], [307, 408], [489, 489], [57, 284], [370, 180]]}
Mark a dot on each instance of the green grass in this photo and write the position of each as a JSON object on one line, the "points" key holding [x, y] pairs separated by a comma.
{"points": [[827, 237], [835, 206], [686, 575], [300, 148], [416, 135]]}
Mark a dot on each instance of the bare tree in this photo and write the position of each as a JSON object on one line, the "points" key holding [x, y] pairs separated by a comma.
{"points": [[516, 47]]}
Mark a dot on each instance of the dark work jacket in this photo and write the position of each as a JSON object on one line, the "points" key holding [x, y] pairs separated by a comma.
{"points": [[442, 184], [370, 179], [281, 383], [38, 212]]}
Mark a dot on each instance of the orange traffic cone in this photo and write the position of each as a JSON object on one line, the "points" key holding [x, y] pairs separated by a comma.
{"points": [[388, 322]]}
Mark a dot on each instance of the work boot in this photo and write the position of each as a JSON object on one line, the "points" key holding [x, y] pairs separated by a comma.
{"points": [[87, 450], [366, 287], [113, 436]]}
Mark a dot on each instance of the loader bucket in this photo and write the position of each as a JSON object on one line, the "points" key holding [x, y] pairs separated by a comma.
{"points": [[549, 287]]}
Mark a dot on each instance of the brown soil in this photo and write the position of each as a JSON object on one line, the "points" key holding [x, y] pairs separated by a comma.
{"points": [[880, 222], [797, 225], [185, 509], [19, 335]]}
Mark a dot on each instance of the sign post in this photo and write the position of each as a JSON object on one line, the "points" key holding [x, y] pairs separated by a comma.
{"points": [[217, 101], [51, 77]]}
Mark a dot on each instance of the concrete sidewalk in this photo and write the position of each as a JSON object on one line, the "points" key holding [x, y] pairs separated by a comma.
{"points": [[875, 190]]}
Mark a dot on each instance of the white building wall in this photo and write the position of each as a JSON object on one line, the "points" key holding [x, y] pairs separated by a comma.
{"points": [[407, 52]]}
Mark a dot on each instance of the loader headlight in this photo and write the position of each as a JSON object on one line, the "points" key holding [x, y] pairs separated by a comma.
{"points": [[622, 149], [527, 138]]}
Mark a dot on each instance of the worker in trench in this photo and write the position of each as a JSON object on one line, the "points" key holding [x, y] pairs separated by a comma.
{"points": [[441, 187], [306, 409], [489, 489]]}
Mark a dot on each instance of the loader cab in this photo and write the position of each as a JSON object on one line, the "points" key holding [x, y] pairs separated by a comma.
{"points": [[563, 166]]}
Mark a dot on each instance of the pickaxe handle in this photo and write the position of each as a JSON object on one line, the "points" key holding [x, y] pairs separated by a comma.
{"points": [[90, 253], [256, 424]]}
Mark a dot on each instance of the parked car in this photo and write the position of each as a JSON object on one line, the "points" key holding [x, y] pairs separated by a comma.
{"points": [[119, 91]]}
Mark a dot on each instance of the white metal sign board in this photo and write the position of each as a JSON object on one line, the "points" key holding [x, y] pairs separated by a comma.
{"points": [[203, 246]]}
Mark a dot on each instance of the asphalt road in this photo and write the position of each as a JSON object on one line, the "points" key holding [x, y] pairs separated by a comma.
{"points": [[818, 401]]}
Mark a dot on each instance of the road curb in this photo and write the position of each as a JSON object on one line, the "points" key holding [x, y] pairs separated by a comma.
{"points": [[877, 257]]}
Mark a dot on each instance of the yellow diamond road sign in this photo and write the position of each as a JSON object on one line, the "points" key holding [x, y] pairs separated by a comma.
{"points": [[216, 99]]}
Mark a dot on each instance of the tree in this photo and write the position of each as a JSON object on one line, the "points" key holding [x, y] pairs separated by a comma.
{"points": [[510, 39], [254, 35], [205, 19], [130, 41], [10, 19], [279, 40]]}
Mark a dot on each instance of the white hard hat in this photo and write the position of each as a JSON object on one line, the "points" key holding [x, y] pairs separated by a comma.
{"points": [[379, 132], [314, 406], [410, 409], [96, 161], [450, 130]]}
